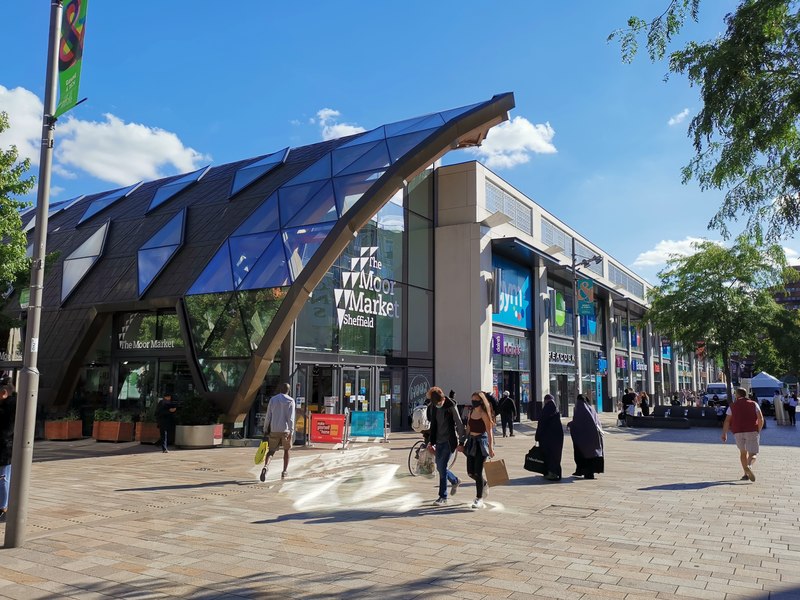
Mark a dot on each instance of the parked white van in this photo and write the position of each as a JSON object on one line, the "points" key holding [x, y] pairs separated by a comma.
{"points": [[720, 390]]}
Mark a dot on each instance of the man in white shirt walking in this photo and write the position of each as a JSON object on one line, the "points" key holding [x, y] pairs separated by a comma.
{"points": [[279, 424]]}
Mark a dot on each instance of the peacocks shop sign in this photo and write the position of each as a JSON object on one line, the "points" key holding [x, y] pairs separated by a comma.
{"points": [[364, 294]]}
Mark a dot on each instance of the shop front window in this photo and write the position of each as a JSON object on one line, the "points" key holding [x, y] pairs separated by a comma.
{"points": [[559, 309], [136, 386]]}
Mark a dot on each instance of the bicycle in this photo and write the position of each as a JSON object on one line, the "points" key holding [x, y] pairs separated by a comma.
{"points": [[414, 466]]}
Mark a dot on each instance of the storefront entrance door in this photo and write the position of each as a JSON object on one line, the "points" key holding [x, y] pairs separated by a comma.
{"points": [[357, 388]]}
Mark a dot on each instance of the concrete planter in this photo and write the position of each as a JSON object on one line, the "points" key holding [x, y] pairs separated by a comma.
{"points": [[198, 436], [112, 431], [147, 433], [63, 430]]}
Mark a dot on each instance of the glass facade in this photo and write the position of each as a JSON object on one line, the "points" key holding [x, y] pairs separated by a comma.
{"points": [[169, 190], [154, 255], [105, 201], [77, 264], [257, 169]]}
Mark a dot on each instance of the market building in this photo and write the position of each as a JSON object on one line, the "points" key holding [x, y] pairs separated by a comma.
{"points": [[359, 269]]}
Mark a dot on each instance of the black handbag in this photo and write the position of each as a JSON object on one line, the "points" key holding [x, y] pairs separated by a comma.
{"points": [[534, 460]]}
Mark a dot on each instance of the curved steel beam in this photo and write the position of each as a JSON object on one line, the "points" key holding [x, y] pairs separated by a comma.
{"points": [[467, 129]]}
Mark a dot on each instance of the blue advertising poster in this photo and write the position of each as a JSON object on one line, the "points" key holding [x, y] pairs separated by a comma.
{"points": [[367, 424], [514, 294]]}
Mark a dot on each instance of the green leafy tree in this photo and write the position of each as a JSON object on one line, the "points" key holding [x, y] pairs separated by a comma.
{"points": [[14, 266], [721, 296], [745, 136], [777, 352]]}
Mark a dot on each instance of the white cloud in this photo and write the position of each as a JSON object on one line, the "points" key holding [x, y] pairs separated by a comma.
{"points": [[111, 150], [664, 250], [792, 256], [121, 152], [679, 118], [511, 143], [24, 111], [331, 128]]}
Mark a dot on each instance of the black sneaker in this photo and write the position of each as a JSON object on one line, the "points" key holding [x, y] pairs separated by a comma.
{"points": [[263, 476], [454, 487], [3, 516]]}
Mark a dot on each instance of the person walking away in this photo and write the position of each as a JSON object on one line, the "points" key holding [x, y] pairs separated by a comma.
{"points": [[480, 444], [280, 421], [8, 411], [550, 436], [587, 439], [791, 408], [644, 403], [446, 436], [745, 420], [508, 412], [165, 419]]}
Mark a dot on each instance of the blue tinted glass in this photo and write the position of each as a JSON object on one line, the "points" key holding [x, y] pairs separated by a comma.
{"points": [[105, 201], [319, 170], [344, 157], [271, 270], [217, 276], [349, 189], [93, 246], [401, 144], [370, 136], [377, 158], [169, 235], [429, 122], [150, 263], [293, 198], [204, 312], [400, 127], [319, 209], [264, 218], [245, 252], [168, 190], [302, 243], [248, 174], [455, 112]]}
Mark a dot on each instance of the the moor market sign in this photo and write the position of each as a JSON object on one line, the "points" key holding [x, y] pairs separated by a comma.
{"points": [[364, 294]]}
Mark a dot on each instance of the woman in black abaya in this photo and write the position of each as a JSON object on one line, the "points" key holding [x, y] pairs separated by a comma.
{"points": [[587, 439], [550, 436]]}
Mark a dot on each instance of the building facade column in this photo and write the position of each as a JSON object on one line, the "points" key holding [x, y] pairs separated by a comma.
{"points": [[611, 354], [540, 365], [649, 357]]}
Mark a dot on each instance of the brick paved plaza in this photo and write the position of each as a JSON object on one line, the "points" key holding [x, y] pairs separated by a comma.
{"points": [[669, 519]]}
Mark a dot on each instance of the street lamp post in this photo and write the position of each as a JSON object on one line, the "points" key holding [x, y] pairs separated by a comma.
{"points": [[576, 328]]}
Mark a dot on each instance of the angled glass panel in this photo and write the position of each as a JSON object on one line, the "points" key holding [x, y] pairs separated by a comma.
{"points": [[271, 270], [228, 338], [430, 122], [204, 311], [302, 243], [377, 158], [401, 144], [258, 309], [105, 201], [92, 247], [295, 197], [370, 136], [350, 188], [401, 126], [223, 375], [72, 272], [170, 234], [150, 263], [255, 170], [264, 218], [217, 276], [319, 209], [319, 170], [448, 115], [168, 190], [245, 251], [344, 157]]}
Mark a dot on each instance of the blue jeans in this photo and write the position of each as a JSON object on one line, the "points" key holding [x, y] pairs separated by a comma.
{"points": [[443, 454], [5, 480]]}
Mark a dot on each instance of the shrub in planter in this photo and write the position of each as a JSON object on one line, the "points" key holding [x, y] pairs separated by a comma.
{"points": [[147, 431], [112, 426], [70, 427], [197, 423]]}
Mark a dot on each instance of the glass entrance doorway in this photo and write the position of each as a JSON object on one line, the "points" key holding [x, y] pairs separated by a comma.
{"points": [[357, 389]]}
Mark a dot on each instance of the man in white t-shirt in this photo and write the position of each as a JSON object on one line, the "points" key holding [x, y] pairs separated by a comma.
{"points": [[280, 425]]}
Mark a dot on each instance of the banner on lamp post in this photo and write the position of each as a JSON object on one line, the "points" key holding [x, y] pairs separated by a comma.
{"points": [[585, 297], [70, 54]]}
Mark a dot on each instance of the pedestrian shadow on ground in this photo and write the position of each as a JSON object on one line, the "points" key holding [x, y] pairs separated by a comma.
{"points": [[187, 486], [695, 485], [539, 480], [319, 517]]}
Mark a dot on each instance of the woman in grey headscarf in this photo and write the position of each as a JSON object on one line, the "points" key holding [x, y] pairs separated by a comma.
{"points": [[587, 439]]}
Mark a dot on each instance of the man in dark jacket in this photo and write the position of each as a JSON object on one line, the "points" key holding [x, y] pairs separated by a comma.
{"points": [[8, 411], [446, 436], [508, 412], [165, 419]]}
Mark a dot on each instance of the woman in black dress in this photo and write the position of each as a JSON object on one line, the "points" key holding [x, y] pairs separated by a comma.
{"points": [[550, 435], [587, 439]]}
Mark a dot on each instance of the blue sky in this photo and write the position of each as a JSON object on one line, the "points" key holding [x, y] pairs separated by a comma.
{"points": [[173, 86]]}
